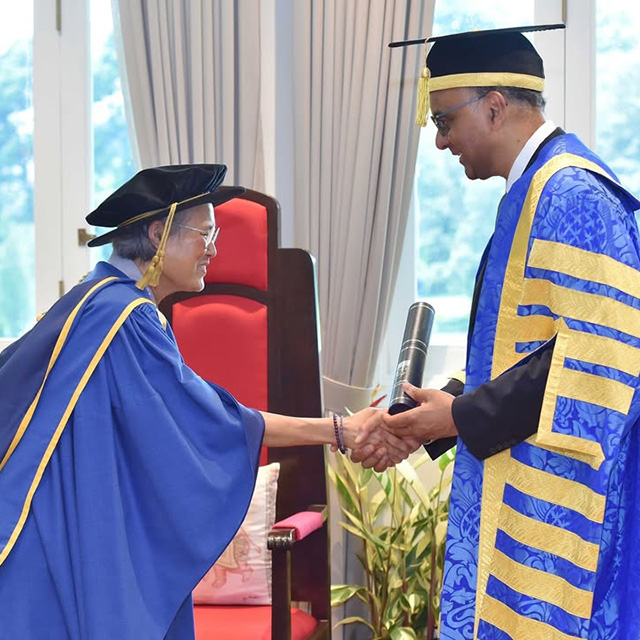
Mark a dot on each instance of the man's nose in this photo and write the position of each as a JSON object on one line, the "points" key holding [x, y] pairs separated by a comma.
{"points": [[442, 142]]}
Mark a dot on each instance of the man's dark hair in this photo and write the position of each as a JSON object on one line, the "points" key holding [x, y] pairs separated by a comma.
{"points": [[534, 99]]}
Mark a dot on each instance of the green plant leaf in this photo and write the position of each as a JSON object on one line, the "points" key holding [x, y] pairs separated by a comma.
{"points": [[346, 494], [377, 504], [418, 459], [414, 602], [399, 522], [367, 532], [410, 475], [366, 475], [446, 459], [352, 619], [340, 593], [403, 633], [368, 536], [354, 473]]}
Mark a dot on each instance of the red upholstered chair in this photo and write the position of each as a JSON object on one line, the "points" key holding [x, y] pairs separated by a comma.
{"points": [[254, 331]]}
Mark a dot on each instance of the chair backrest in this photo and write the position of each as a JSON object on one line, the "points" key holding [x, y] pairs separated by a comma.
{"points": [[254, 331]]}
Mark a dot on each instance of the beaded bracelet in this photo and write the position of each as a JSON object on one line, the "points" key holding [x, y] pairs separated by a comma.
{"points": [[338, 430]]}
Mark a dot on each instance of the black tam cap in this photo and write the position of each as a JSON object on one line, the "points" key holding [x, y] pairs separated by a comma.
{"points": [[152, 192], [490, 58]]}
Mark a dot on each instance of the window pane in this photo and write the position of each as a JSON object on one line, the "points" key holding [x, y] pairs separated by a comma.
{"points": [[618, 88], [112, 156], [17, 239], [455, 216]]}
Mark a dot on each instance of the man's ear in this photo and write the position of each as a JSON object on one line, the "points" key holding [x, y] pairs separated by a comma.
{"points": [[155, 232], [497, 107]]}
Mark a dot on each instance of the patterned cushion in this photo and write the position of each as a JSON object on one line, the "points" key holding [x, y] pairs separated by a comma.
{"points": [[242, 574]]}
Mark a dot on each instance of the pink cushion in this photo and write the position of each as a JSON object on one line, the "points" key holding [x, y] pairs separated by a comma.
{"points": [[246, 623], [304, 523]]}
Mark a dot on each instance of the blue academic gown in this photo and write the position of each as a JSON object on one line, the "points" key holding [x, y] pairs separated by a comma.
{"points": [[123, 476], [542, 537]]}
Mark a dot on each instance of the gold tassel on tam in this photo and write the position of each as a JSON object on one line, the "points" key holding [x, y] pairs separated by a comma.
{"points": [[423, 98], [422, 109], [152, 275]]}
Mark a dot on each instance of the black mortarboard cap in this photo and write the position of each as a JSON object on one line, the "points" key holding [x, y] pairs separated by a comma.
{"points": [[489, 58], [150, 193]]}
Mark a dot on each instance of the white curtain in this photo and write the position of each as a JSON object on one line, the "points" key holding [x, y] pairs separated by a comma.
{"points": [[355, 147], [192, 79]]}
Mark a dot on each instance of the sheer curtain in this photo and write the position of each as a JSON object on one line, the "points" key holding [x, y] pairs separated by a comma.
{"points": [[191, 73], [192, 82], [355, 147]]}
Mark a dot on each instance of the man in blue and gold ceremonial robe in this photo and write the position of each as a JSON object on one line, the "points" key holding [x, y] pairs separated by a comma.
{"points": [[124, 475], [544, 524]]}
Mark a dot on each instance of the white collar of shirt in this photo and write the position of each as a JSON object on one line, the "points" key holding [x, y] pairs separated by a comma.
{"points": [[131, 270], [518, 167]]}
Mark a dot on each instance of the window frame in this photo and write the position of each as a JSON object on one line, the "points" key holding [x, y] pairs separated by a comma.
{"points": [[62, 144]]}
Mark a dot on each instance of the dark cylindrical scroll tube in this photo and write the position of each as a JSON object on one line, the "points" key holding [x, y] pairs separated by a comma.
{"points": [[413, 355]]}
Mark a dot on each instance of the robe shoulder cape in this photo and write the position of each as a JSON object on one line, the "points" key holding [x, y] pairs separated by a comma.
{"points": [[123, 475], [542, 537]]}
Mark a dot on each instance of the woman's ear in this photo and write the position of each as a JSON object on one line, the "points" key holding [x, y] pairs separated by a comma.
{"points": [[155, 232]]}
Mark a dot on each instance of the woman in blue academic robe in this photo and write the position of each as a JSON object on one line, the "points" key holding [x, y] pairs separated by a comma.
{"points": [[123, 474]]}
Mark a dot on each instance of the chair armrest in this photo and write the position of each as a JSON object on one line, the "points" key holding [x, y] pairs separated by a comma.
{"points": [[286, 532]]}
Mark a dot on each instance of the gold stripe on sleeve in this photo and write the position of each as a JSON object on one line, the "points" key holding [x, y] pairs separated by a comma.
{"points": [[533, 328], [585, 265], [545, 434], [517, 626], [602, 350], [549, 538], [163, 319], [557, 490], [542, 585], [586, 451], [511, 295], [588, 307], [587, 387], [570, 447]]}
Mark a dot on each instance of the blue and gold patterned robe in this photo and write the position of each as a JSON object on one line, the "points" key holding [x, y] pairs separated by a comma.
{"points": [[541, 536]]}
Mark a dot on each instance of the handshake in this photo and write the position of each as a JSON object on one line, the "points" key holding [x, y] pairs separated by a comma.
{"points": [[379, 440]]}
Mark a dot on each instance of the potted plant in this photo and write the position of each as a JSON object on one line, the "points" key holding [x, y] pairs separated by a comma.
{"points": [[402, 526]]}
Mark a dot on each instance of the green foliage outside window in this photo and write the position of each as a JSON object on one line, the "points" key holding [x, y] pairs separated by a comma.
{"points": [[113, 165], [16, 190]]}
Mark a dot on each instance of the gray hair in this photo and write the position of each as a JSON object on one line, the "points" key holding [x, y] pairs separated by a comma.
{"points": [[531, 98], [133, 241]]}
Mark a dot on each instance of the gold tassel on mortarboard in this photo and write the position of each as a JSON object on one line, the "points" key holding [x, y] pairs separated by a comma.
{"points": [[152, 275], [423, 98], [423, 93]]}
